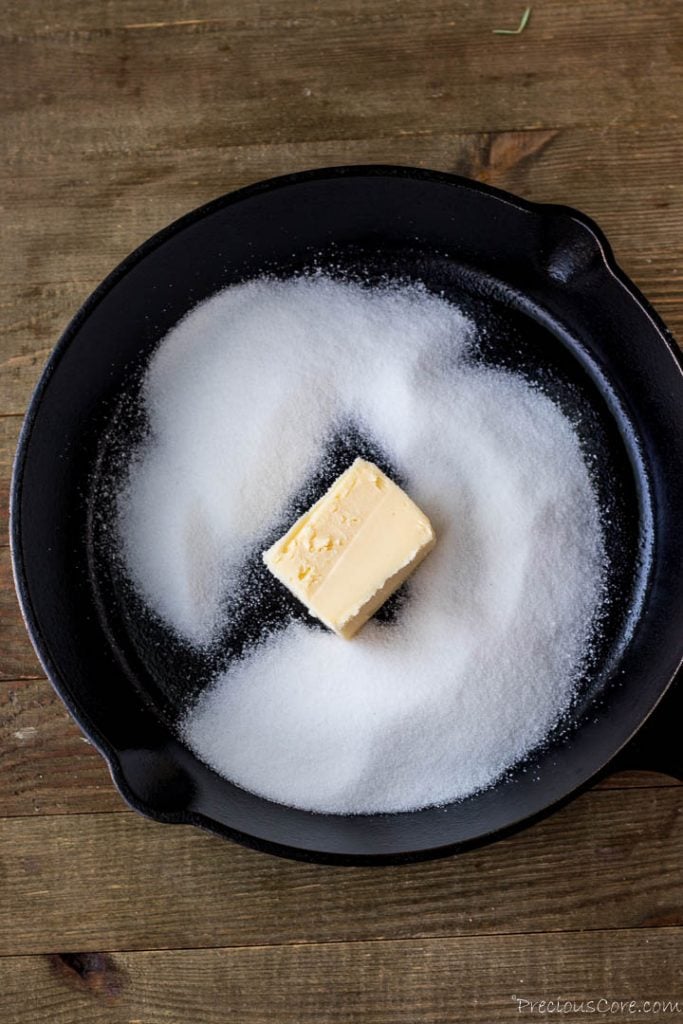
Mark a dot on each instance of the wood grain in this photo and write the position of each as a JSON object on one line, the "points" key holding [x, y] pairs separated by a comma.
{"points": [[17, 657], [260, 73], [609, 860], [471, 981], [9, 433], [47, 766]]}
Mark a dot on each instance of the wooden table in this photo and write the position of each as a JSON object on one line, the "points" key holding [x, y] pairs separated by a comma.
{"points": [[119, 117]]}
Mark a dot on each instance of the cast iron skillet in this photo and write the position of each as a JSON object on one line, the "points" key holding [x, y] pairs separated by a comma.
{"points": [[550, 302]]}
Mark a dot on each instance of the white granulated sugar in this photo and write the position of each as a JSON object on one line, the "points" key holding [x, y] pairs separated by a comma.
{"points": [[484, 654]]}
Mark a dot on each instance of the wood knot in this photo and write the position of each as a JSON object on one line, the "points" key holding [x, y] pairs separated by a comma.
{"points": [[96, 973]]}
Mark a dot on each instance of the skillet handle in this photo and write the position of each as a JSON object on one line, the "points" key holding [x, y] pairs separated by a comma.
{"points": [[658, 745]]}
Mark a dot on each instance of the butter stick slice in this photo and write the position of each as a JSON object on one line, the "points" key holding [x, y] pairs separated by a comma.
{"points": [[352, 549]]}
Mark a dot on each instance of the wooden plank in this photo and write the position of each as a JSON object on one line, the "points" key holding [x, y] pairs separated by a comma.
{"points": [[32, 317], [343, 69], [17, 657], [609, 860], [72, 223], [637, 780], [47, 766], [9, 432], [435, 981]]}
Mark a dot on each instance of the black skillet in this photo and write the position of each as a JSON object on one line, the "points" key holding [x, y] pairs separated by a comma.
{"points": [[550, 302]]}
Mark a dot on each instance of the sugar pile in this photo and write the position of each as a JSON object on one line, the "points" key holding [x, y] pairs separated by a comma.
{"points": [[485, 652]]}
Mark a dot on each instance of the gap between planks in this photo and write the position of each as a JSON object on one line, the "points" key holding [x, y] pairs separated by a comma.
{"points": [[401, 940]]}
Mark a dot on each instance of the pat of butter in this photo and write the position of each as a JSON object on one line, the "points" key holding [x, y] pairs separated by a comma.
{"points": [[351, 550]]}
